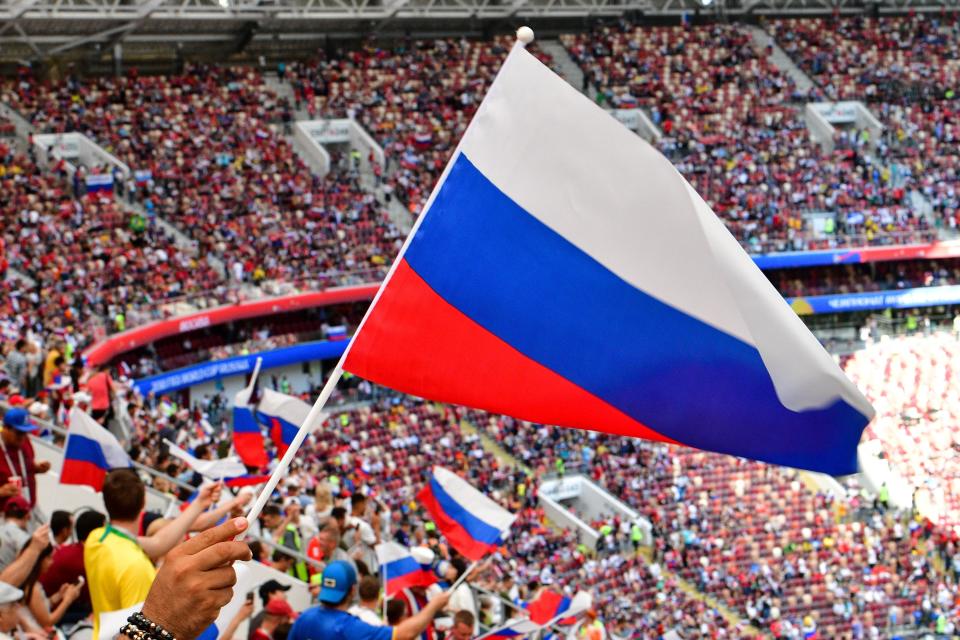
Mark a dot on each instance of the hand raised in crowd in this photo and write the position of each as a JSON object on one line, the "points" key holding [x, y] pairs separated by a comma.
{"points": [[40, 538], [41, 466], [209, 494], [196, 580], [9, 489]]}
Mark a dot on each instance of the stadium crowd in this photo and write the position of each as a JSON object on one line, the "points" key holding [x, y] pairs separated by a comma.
{"points": [[905, 68], [207, 152], [730, 128], [913, 381], [416, 99], [858, 278], [790, 559]]}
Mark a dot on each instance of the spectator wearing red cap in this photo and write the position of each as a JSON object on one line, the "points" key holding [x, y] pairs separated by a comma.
{"points": [[13, 531], [18, 468], [277, 614]]}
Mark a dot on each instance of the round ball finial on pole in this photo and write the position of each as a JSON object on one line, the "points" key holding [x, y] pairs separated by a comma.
{"points": [[525, 35]]}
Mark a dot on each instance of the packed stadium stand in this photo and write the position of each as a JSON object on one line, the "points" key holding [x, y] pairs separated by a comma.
{"points": [[220, 206]]}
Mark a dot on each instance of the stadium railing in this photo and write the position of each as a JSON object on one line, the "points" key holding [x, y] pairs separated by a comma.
{"points": [[837, 241]]}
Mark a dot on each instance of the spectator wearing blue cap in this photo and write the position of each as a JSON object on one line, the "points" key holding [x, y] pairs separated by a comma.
{"points": [[330, 620], [18, 468]]}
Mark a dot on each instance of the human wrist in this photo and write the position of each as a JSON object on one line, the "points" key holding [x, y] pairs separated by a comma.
{"points": [[163, 619]]}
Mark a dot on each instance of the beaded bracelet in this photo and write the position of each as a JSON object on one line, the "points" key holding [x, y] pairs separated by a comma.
{"points": [[132, 632], [148, 630]]}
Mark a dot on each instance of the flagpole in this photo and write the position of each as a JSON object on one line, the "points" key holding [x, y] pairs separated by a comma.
{"points": [[302, 432], [463, 576], [256, 372]]}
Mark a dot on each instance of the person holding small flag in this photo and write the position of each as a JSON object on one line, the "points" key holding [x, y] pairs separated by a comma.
{"points": [[331, 621]]}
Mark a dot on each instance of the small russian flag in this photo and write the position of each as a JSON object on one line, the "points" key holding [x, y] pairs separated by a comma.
{"points": [[90, 453], [472, 523], [282, 414], [515, 628], [247, 437], [551, 607], [400, 570]]}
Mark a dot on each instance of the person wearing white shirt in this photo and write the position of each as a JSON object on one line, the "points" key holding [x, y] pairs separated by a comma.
{"points": [[368, 609]]}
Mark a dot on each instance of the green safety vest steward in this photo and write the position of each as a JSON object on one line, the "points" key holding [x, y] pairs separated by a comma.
{"points": [[299, 569], [606, 530], [636, 533]]}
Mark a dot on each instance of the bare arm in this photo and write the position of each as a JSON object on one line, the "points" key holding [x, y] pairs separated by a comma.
{"points": [[413, 626], [17, 571], [41, 611], [157, 545], [245, 612], [210, 518]]}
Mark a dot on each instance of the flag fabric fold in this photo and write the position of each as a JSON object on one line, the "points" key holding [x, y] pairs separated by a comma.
{"points": [[90, 452], [515, 628], [563, 272], [472, 523], [552, 607], [282, 414], [400, 570], [247, 436], [221, 469]]}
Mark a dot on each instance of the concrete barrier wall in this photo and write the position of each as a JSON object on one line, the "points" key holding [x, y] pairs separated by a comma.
{"points": [[310, 147], [77, 148], [562, 517]]}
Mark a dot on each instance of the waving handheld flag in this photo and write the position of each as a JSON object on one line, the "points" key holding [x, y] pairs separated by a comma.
{"points": [[552, 219], [91, 451], [512, 629], [282, 414], [400, 570], [551, 607], [472, 523], [230, 467], [247, 437]]}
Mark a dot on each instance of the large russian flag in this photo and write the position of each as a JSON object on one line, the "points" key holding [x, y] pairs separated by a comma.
{"points": [[91, 451], [282, 414], [400, 570], [472, 523], [563, 272]]}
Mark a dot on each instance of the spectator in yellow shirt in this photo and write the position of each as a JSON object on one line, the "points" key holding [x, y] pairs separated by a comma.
{"points": [[118, 560]]}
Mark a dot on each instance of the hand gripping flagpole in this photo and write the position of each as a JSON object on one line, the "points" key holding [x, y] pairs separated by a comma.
{"points": [[524, 37]]}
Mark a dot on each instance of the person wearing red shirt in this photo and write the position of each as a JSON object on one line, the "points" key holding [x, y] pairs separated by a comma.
{"points": [[18, 468], [67, 566]]}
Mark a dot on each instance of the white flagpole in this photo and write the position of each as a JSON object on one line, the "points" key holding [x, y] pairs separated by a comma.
{"points": [[524, 37], [256, 372], [302, 432], [463, 576]]}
